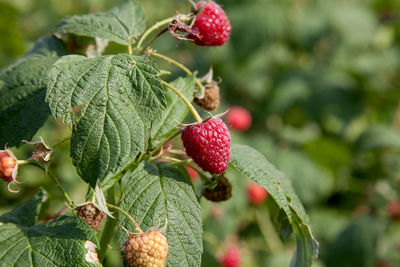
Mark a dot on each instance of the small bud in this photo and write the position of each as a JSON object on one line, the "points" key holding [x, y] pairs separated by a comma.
{"points": [[41, 151]]}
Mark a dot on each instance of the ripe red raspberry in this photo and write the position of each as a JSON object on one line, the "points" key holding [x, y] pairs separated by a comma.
{"points": [[211, 98], [194, 175], [208, 144], [256, 194], [239, 118], [222, 192], [8, 166], [212, 27], [231, 257], [393, 209], [90, 214], [146, 249]]}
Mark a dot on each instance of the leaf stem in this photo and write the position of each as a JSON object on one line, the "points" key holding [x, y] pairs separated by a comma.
{"points": [[176, 63], [188, 104], [128, 216], [108, 228], [55, 180], [151, 29], [130, 47], [172, 136]]}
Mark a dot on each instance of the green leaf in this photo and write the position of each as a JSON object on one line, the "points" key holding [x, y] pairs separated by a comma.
{"points": [[26, 214], [256, 167], [165, 121], [156, 192], [22, 92], [62, 242], [357, 244], [119, 24], [49, 46], [378, 137], [109, 102]]}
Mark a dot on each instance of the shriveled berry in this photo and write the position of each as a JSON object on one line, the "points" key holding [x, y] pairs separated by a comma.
{"points": [[90, 214], [211, 98], [212, 27], [256, 194], [222, 192], [208, 144], [146, 249], [231, 258], [239, 118]]}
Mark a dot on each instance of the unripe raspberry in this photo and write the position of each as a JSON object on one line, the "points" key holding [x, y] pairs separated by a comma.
{"points": [[208, 144], [222, 192], [256, 194], [239, 118], [212, 27], [211, 98], [90, 214], [8, 166], [146, 249], [194, 175], [231, 258]]}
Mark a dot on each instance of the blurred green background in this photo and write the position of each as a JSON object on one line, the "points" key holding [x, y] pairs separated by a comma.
{"points": [[322, 82]]}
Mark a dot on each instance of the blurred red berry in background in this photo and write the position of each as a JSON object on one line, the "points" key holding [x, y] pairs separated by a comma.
{"points": [[256, 194], [239, 118]]}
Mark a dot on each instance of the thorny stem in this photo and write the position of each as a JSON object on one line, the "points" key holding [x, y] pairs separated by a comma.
{"points": [[128, 216], [55, 180], [151, 29], [108, 228], [189, 105], [176, 63]]}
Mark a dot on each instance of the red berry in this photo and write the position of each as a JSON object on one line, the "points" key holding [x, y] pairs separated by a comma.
{"points": [[212, 27], [208, 144], [239, 118], [231, 257], [393, 209], [146, 249], [256, 194], [194, 175]]}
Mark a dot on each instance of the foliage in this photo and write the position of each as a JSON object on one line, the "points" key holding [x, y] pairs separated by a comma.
{"points": [[320, 79]]}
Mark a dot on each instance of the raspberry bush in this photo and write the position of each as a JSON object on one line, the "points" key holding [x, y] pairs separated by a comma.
{"points": [[121, 109]]}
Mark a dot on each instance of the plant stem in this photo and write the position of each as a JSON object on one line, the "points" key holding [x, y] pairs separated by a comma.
{"points": [[151, 29], [128, 216], [267, 229], [130, 48], [178, 64], [188, 104], [108, 228], [172, 136], [55, 180]]}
